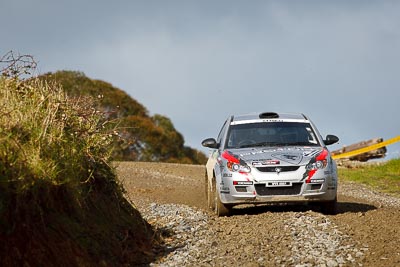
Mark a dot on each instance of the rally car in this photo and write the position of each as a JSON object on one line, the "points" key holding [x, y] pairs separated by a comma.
{"points": [[270, 157]]}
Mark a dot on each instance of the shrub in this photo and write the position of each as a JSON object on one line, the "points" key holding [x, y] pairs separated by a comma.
{"points": [[60, 203], [49, 143], [145, 137]]}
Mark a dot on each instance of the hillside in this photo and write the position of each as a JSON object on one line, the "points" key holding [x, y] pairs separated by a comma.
{"points": [[147, 138]]}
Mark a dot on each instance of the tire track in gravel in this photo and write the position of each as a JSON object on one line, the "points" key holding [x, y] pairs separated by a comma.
{"points": [[171, 197]]}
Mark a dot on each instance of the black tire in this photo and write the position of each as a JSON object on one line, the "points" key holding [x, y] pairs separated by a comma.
{"points": [[220, 209], [329, 207]]}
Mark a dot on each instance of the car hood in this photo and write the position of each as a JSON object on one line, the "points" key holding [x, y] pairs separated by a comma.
{"points": [[265, 156]]}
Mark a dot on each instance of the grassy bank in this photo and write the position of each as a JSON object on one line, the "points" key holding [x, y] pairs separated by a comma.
{"points": [[60, 201], [385, 177]]}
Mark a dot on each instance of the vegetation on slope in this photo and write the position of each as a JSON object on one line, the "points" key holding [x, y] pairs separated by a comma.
{"points": [[385, 177], [60, 201], [152, 138]]}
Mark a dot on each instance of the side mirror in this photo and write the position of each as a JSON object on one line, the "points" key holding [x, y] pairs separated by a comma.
{"points": [[210, 143], [331, 139]]}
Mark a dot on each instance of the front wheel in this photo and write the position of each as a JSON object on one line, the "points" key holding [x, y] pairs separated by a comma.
{"points": [[220, 208], [329, 207]]}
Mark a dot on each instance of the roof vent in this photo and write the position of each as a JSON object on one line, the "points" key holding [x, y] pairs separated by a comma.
{"points": [[269, 115]]}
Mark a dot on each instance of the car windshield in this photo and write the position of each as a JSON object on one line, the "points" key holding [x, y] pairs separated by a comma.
{"points": [[271, 134]]}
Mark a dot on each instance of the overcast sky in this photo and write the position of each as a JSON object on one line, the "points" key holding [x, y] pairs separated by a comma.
{"points": [[197, 62]]}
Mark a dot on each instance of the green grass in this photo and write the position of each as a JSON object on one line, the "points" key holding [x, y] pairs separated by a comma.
{"points": [[60, 201], [47, 137], [50, 142], [384, 177]]}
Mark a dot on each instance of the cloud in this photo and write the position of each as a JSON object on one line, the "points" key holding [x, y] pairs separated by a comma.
{"points": [[198, 62]]}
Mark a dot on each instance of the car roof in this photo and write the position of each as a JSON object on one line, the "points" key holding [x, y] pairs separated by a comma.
{"points": [[268, 116]]}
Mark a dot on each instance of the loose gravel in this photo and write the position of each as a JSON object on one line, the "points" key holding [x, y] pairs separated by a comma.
{"points": [[193, 237], [364, 233], [318, 242], [360, 191]]}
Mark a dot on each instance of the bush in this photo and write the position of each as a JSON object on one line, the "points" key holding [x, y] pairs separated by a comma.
{"points": [[60, 202], [145, 137], [49, 142]]}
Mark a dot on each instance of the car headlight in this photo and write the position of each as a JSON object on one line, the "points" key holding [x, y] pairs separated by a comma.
{"points": [[320, 161], [234, 164], [234, 167], [317, 163]]}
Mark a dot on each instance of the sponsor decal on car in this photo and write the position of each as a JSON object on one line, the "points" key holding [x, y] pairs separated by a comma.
{"points": [[311, 153], [293, 158], [242, 182], [225, 190], [268, 162], [305, 151]]}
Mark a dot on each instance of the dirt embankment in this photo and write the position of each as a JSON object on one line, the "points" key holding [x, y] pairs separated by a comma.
{"points": [[365, 232]]}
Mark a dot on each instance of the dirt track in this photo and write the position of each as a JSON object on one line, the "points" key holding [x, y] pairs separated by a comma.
{"points": [[365, 232]]}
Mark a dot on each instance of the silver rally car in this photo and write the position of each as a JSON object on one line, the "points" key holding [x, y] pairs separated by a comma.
{"points": [[270, 158]]}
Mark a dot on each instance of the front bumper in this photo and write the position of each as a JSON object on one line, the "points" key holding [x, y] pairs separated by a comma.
{"points": [[245, 188]]}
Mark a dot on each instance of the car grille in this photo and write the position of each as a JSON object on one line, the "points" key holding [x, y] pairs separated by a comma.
{"points": [[262, 190], [282, 169]]}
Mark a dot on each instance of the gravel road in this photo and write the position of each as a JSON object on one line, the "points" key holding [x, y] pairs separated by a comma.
{"points": [[365, 232]]}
